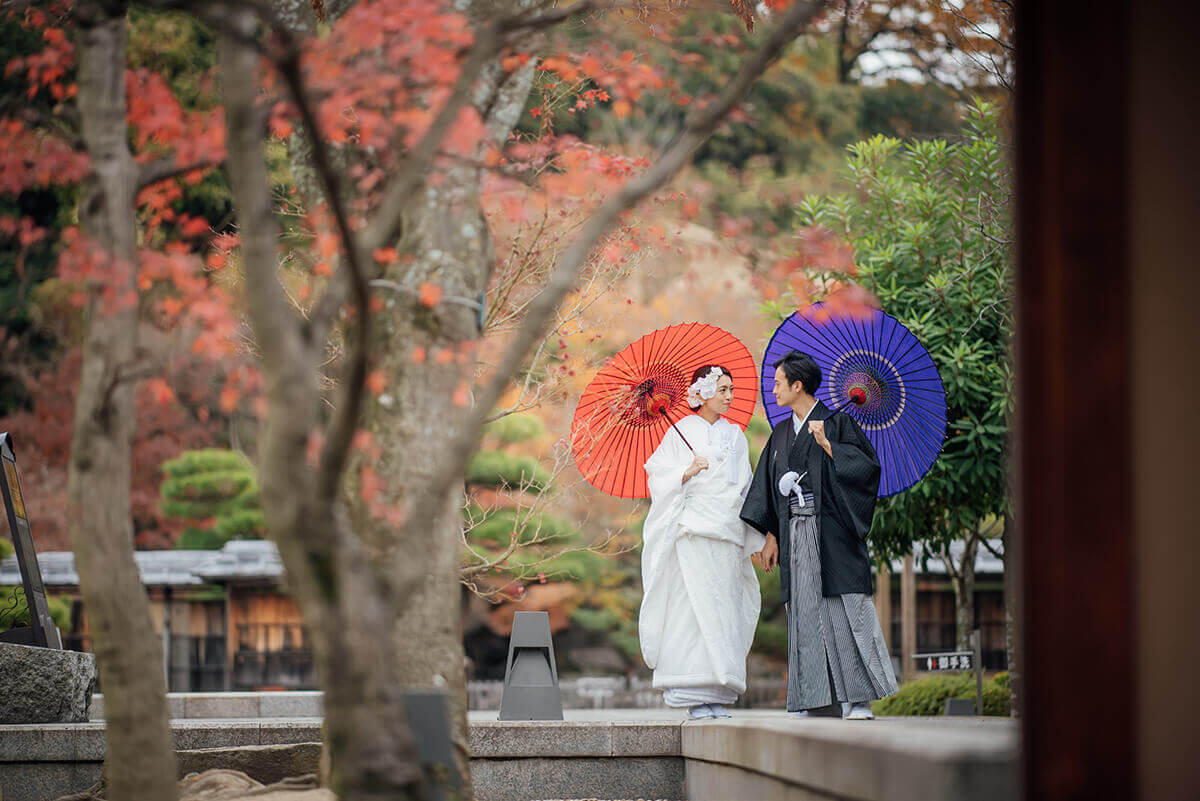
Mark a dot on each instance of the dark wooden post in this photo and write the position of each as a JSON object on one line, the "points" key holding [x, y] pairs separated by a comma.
{"points": [[1073, 461], [42, 631]]}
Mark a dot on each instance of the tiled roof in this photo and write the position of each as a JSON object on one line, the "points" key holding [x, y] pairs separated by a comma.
{"points": [[238, 560]]}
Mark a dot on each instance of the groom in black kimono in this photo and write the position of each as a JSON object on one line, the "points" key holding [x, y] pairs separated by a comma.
{"points": [[813, 496]]}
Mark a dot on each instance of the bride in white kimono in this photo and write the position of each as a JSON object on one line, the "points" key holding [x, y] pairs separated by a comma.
{"points": [[701, 601]]}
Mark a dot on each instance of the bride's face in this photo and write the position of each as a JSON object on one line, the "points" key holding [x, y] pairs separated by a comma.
{"points": [[719, 403]]}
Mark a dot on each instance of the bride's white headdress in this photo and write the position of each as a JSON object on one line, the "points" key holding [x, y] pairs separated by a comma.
{"points": [[703, 388]]}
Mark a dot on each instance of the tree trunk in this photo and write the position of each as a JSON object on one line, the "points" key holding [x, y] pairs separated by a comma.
{"points": [[447, 236], [845, 62], [139, 759], [908, 620], [962, 576], [370, 747]]}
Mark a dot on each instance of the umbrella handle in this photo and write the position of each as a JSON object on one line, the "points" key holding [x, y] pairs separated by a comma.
{"points": [[681, 436], [857, 397], [662, 409]]}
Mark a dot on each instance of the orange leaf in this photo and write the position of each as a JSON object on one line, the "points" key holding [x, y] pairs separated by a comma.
{"points": [[384, 255], [281, 127], [229, 398], [160, 391], [418, 355], [369, 483], [430, 294], [195, 226], [376, 382]]}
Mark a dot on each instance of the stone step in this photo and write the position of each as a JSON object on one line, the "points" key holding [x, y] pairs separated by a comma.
{"points": [[613, 754]]}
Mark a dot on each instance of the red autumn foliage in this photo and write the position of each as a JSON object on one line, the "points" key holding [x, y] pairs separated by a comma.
{"points": [[166, 426], [188, 331]]}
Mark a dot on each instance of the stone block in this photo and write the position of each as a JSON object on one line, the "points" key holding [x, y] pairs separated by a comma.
{"points": [[512, 738], [587, 777], [42, 781], [707, 781], [45, 685], [288, 731], [645, 739], [302, 704], [96, 709], [264, 763], [892, 759], [220, 705], [192, 734]]}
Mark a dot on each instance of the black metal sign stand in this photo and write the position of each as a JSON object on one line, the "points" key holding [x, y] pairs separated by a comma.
{"points": [[41, 630], [956, 661]]}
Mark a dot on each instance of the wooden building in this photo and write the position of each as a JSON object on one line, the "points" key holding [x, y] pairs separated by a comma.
{"points": [[225, 619]]}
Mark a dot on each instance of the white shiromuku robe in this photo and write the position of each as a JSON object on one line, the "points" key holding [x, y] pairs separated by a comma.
{"points": [[701, 599]]}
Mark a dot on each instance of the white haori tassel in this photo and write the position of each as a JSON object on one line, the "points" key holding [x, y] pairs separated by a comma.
{"points": [[789, 483]]}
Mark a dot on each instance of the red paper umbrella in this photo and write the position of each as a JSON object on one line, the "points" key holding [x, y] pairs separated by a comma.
{"points": [[627, 408]]}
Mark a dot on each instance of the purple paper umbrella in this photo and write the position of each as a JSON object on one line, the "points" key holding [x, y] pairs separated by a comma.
{"points": [[876, 371]]}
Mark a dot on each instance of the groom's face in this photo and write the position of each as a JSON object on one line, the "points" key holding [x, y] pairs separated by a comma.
{"points": [[785, 393]]}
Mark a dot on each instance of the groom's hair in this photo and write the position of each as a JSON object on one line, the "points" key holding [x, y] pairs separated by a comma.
{"points": [[801, 367]]}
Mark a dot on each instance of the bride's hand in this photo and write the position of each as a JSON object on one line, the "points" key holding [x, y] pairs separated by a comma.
{"points": [[699, 463]]}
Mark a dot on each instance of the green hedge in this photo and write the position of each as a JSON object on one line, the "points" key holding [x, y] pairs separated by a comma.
{"points": [[927, 696]]}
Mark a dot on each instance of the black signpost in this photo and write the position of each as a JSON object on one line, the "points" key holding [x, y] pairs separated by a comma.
{"points": [[958, 660], [41, 630]]}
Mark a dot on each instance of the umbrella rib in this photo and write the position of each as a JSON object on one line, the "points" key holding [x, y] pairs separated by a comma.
{"points": [[889, 445], [610, 439]]}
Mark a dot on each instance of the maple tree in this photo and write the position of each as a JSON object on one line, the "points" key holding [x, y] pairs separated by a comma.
{"points": [[390, 143], [129, 264]]}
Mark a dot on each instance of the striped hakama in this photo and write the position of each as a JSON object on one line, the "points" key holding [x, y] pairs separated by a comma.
{"points": [[835, 639]]}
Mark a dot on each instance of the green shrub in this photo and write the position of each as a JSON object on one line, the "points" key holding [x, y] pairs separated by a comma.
{"points": [[199, 539], [217, 485], [599, 620], [771, 639], [515, 428], [495, 526], [6, 548], [927, 696], [241, 524], [205, 460], [14, 611], [500, 469], [575, 566]]}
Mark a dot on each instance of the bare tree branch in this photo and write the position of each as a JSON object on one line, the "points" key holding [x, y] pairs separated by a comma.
{"points": [[152, 172]]}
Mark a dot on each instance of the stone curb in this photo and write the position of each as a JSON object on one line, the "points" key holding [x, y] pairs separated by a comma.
{"points": [[192, 706], [84, 742]]}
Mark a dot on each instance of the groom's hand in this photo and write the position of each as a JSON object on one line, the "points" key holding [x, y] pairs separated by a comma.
{"points": [[768, 557]]}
